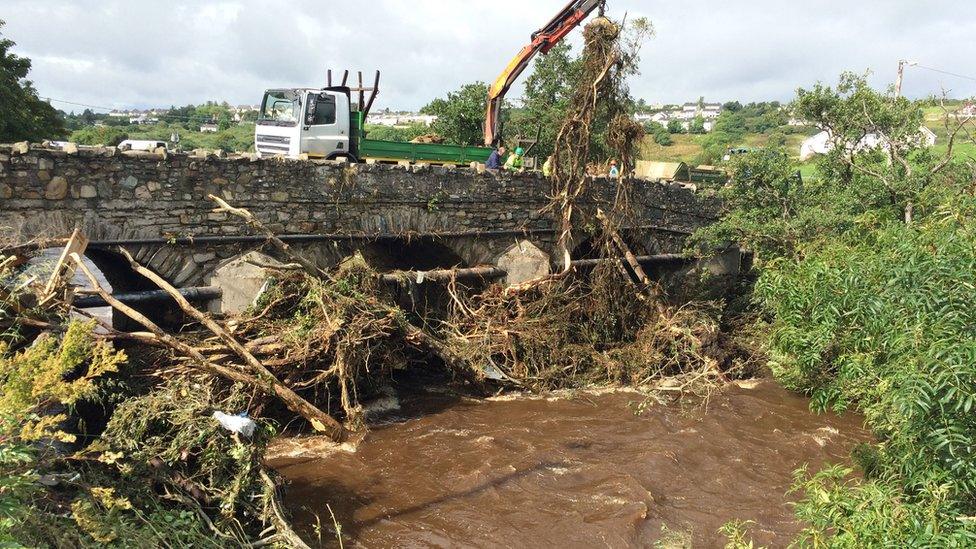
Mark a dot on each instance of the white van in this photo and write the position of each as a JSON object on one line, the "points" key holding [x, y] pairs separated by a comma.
{"points": [[141, 145]]}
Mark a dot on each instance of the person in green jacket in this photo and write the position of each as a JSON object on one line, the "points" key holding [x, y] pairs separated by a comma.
{"points": [[516, 162]]}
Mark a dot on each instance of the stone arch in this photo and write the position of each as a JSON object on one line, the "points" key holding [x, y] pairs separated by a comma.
{"points": [[639, 242], [405, 254]]}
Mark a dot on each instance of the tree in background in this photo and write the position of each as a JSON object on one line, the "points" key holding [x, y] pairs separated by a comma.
{"points": [[697, 126], [659, 133], [99, 135], [548, 91], [23, 115], [399, 134], [854, 114], [461, 116], [675, 126]]}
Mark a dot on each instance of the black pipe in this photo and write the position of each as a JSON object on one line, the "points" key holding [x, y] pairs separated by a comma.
{"points": [[642, 259], [299, 238], [196, 294]]}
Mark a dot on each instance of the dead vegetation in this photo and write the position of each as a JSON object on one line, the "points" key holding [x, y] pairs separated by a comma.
{"points": [[319, 340]]}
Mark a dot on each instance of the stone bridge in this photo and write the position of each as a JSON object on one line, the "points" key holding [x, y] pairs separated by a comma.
{"points": [[400, 217]]}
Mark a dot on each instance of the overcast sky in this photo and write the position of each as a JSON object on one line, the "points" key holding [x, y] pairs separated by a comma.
{"points": [[151, 53]]}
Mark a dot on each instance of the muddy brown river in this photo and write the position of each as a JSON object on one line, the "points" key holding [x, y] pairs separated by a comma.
{"points": [[579, 471]]}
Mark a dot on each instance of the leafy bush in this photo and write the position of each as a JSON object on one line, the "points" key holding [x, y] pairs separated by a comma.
{"points": [[882, 321], [867, 283]]}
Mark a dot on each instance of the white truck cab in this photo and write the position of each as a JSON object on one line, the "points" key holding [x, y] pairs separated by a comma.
{"points": [[305, 121]]}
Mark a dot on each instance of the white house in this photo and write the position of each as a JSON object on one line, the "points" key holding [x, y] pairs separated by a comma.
{"points": [[642, 117], [823, 143], [817, 144]]}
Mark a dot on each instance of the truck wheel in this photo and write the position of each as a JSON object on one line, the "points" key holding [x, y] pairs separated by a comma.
{"points": [[349, 158]]}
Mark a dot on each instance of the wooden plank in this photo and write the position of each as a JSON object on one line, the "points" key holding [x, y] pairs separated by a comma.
{"points": [[64, 269]]}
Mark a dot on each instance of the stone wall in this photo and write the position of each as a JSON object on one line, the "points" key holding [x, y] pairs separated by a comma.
{"points": [[129, 195]]}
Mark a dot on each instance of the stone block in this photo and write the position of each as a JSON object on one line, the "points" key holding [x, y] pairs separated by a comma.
{"points": [[130, 182], [523, 262], [22, 147], [5, 191], [56, 189], [87, 191], [143, 193], [242, 281], [70, 148]]}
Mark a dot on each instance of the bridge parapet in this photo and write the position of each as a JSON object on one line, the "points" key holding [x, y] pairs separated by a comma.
{"points": [[158, 198]]}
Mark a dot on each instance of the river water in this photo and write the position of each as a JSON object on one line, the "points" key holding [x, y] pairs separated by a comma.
{"points": [[573, 471]]}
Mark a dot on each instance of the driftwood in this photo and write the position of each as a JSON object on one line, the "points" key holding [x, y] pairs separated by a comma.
{"points": [[628, 255], [258, 376]]}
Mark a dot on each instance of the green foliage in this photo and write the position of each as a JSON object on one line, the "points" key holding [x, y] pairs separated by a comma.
{"points": [[461, 116], [236, 138], [697, 126], [871, 310], [882, 321], [100, 135], [397, 133], [842, 511], [548, 91], [52, 374], [23, 115], [675, 126], [729, 130], [737, 534], [771, 211], [107, 494], [853, 111], [660, 134]]}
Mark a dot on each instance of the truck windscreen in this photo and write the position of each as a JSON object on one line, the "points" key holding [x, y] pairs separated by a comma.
{"points": [[280, 108]]}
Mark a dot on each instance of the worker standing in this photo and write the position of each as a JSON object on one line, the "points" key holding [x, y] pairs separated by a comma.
{"points": [[614, 170], [516, 162], [548, 167], [495, 161]]}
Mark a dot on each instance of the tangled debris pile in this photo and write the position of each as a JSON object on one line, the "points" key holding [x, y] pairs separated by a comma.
{"points": [[97, 448]]}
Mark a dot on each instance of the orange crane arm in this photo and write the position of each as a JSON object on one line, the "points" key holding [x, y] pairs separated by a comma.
{"points": [[543, 40]]}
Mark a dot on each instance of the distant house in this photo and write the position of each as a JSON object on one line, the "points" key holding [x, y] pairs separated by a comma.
{"points": [[401, 119], [967, 111], [823, 143], [710, 111], [817, 144], [643, 117], [688, 111], [928, 137], [209, 128]]}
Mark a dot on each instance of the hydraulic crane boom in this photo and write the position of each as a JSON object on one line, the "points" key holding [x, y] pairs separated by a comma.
{"points": [[543, 40]]}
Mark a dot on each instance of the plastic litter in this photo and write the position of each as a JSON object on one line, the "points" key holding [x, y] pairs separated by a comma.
{"points": [[240, 424]]}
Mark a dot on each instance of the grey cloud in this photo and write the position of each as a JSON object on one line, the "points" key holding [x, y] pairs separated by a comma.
{"points": [[117, 53]]}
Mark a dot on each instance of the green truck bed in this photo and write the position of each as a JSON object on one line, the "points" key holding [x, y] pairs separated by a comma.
{"points": [[392, 151]]}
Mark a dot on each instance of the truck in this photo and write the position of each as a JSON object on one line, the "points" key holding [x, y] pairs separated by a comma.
{"points": [[326, 123]]}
